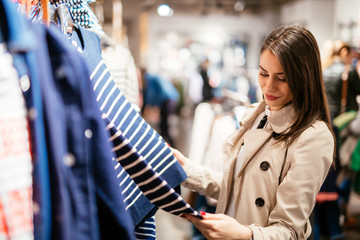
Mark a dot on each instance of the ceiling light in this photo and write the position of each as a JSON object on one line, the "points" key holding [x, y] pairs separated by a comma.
{"points": [[239, 6], [165, 11]]}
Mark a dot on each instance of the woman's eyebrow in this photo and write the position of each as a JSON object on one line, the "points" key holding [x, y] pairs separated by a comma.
{"points": [[262, 68], [279, 73]]}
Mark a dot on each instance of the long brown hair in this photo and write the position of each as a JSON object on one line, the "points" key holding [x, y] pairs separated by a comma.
{"points": [[298, 53]]}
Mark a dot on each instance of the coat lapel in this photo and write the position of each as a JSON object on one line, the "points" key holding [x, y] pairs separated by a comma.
{"points": [[279, 121], [254, 139], [231, 150]]}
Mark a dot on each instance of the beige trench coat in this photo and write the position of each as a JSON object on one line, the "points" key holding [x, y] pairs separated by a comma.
{"points": [[277, 186]]}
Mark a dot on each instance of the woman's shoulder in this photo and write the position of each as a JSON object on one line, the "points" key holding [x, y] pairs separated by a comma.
{"points": [[318, 131], [316, 142], [318, 126]]}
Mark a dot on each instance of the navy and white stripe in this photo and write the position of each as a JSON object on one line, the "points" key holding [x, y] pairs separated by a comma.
{"points": [[147, 169], [123, 117], [147, 229], [152, 185], [141, 152]]}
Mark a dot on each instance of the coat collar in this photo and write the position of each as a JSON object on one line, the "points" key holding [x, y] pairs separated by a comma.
{"points": [[279, 121], [282, 119]]}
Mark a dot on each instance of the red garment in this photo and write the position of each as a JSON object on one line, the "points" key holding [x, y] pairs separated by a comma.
{"points": [[326, 197], [33, 2], [15, 160]]}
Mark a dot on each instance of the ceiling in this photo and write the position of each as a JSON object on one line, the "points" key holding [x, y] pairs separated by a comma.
{"points": [[208, 7]]}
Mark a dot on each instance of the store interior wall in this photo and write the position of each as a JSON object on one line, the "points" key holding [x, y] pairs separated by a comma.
{"points": [[317, 15], [346, 25]]}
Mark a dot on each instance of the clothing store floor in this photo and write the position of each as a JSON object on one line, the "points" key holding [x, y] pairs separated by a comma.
{"points": [[176, 228]]}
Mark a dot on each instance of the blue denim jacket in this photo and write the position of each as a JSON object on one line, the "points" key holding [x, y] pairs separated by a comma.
{"points": [[86, 201], [82, 165]]}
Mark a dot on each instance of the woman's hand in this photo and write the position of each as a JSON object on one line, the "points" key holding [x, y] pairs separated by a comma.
{"points": [[219, 226], [179, 156]]}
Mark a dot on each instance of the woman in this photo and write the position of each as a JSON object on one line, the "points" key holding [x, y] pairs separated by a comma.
{"points": [[272, 169]]}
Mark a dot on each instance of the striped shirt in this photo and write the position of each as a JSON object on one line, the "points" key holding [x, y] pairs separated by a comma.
{"points": [[147, 169]]}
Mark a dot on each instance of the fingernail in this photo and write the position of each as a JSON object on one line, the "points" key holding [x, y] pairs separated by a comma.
{"points": [[202, 213]]}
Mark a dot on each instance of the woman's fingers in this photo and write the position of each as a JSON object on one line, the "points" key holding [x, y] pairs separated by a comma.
{"points": [[178, 155]]}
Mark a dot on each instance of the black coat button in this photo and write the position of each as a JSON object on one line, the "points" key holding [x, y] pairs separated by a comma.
{"points": [[259, 202], [264, 166]]}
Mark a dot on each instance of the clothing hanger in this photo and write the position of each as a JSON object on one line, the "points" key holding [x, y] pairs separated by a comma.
{"points": [[232, 103], [106, 40], [62, 17], [45, 12], [35, 14], [27, 7], [39, 13], [231, 99]]}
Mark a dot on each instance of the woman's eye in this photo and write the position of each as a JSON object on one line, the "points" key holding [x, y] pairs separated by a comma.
{"points": [[282, 79], [264, 74]]}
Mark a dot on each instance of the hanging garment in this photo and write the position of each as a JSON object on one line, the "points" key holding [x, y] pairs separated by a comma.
{"points": [[85, 192], [203, 118], [122, 68], [136, 144], [222, 126], [147, 229], [21, 43], [15, 159], [161, 92], [154, 187], [158, 90], [80, 12], [82, 165]]}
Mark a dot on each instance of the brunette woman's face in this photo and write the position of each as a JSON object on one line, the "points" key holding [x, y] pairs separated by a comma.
{"points": [[272, 81]]}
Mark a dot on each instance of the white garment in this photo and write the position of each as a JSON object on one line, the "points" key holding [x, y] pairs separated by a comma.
{"points": [[200, 133], [222, 126], [122, 68], [15, 159]]}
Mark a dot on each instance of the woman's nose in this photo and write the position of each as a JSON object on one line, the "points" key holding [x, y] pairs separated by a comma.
{"points": [[270, 85]]}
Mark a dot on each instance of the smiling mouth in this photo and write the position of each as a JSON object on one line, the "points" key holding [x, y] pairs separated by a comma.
{"points": [[270, 97]]}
